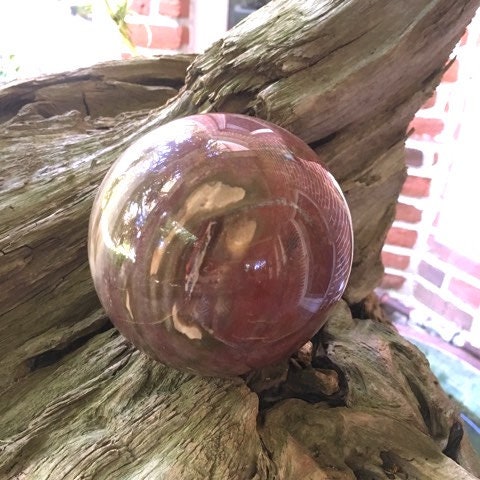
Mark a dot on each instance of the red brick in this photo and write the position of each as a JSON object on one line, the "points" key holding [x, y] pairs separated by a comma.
{"points": [[140, 6], [392, 282], [451, 75], [459, 317], [168, 38], [408, 213], [413, 157], [392, 260], [174, 8], [429, 298], [465, 291], [417, 187], [430, 273], [441, 251], [444, 253], [444, 309], [426, 128], [466, 264], [401, 237], [138, 35], [431, 101]]}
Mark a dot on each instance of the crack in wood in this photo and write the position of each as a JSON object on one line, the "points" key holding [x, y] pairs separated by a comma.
{"points": [[455, 437], [85, 104], [55, 355]]}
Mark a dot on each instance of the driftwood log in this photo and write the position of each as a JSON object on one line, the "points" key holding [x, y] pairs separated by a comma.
{"points": [[358, 401]]}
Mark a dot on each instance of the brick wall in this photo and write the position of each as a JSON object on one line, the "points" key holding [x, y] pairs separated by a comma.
{"points": [[159, 26], [432, 253], [166, 26]]}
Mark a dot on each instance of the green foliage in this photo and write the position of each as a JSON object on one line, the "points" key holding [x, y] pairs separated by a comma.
{"points": [[84, 11], [118, 10], [8, 68]]}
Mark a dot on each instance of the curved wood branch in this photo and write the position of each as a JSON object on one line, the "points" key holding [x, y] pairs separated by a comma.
{"points": [[103, 90]]}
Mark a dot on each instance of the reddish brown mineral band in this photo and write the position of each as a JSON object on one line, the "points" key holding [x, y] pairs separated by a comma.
{"points": [[217, 243]]}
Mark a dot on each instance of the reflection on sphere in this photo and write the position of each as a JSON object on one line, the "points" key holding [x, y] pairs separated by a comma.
{"points": [[217, 244]]}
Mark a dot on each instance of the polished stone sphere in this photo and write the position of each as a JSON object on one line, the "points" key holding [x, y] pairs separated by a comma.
{"points": [[217, 243]]}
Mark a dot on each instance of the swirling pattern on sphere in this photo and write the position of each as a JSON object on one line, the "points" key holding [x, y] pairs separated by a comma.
{"points": [[217, 243]]}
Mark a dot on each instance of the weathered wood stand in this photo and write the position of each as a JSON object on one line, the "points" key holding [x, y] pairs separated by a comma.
{"points": [[78, 402]]}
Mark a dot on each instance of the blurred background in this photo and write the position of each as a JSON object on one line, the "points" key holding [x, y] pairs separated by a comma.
{"points": [[431, 287]]}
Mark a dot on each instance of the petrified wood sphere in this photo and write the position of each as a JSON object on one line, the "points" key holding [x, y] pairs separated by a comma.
{"points": [[217, 243]]}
